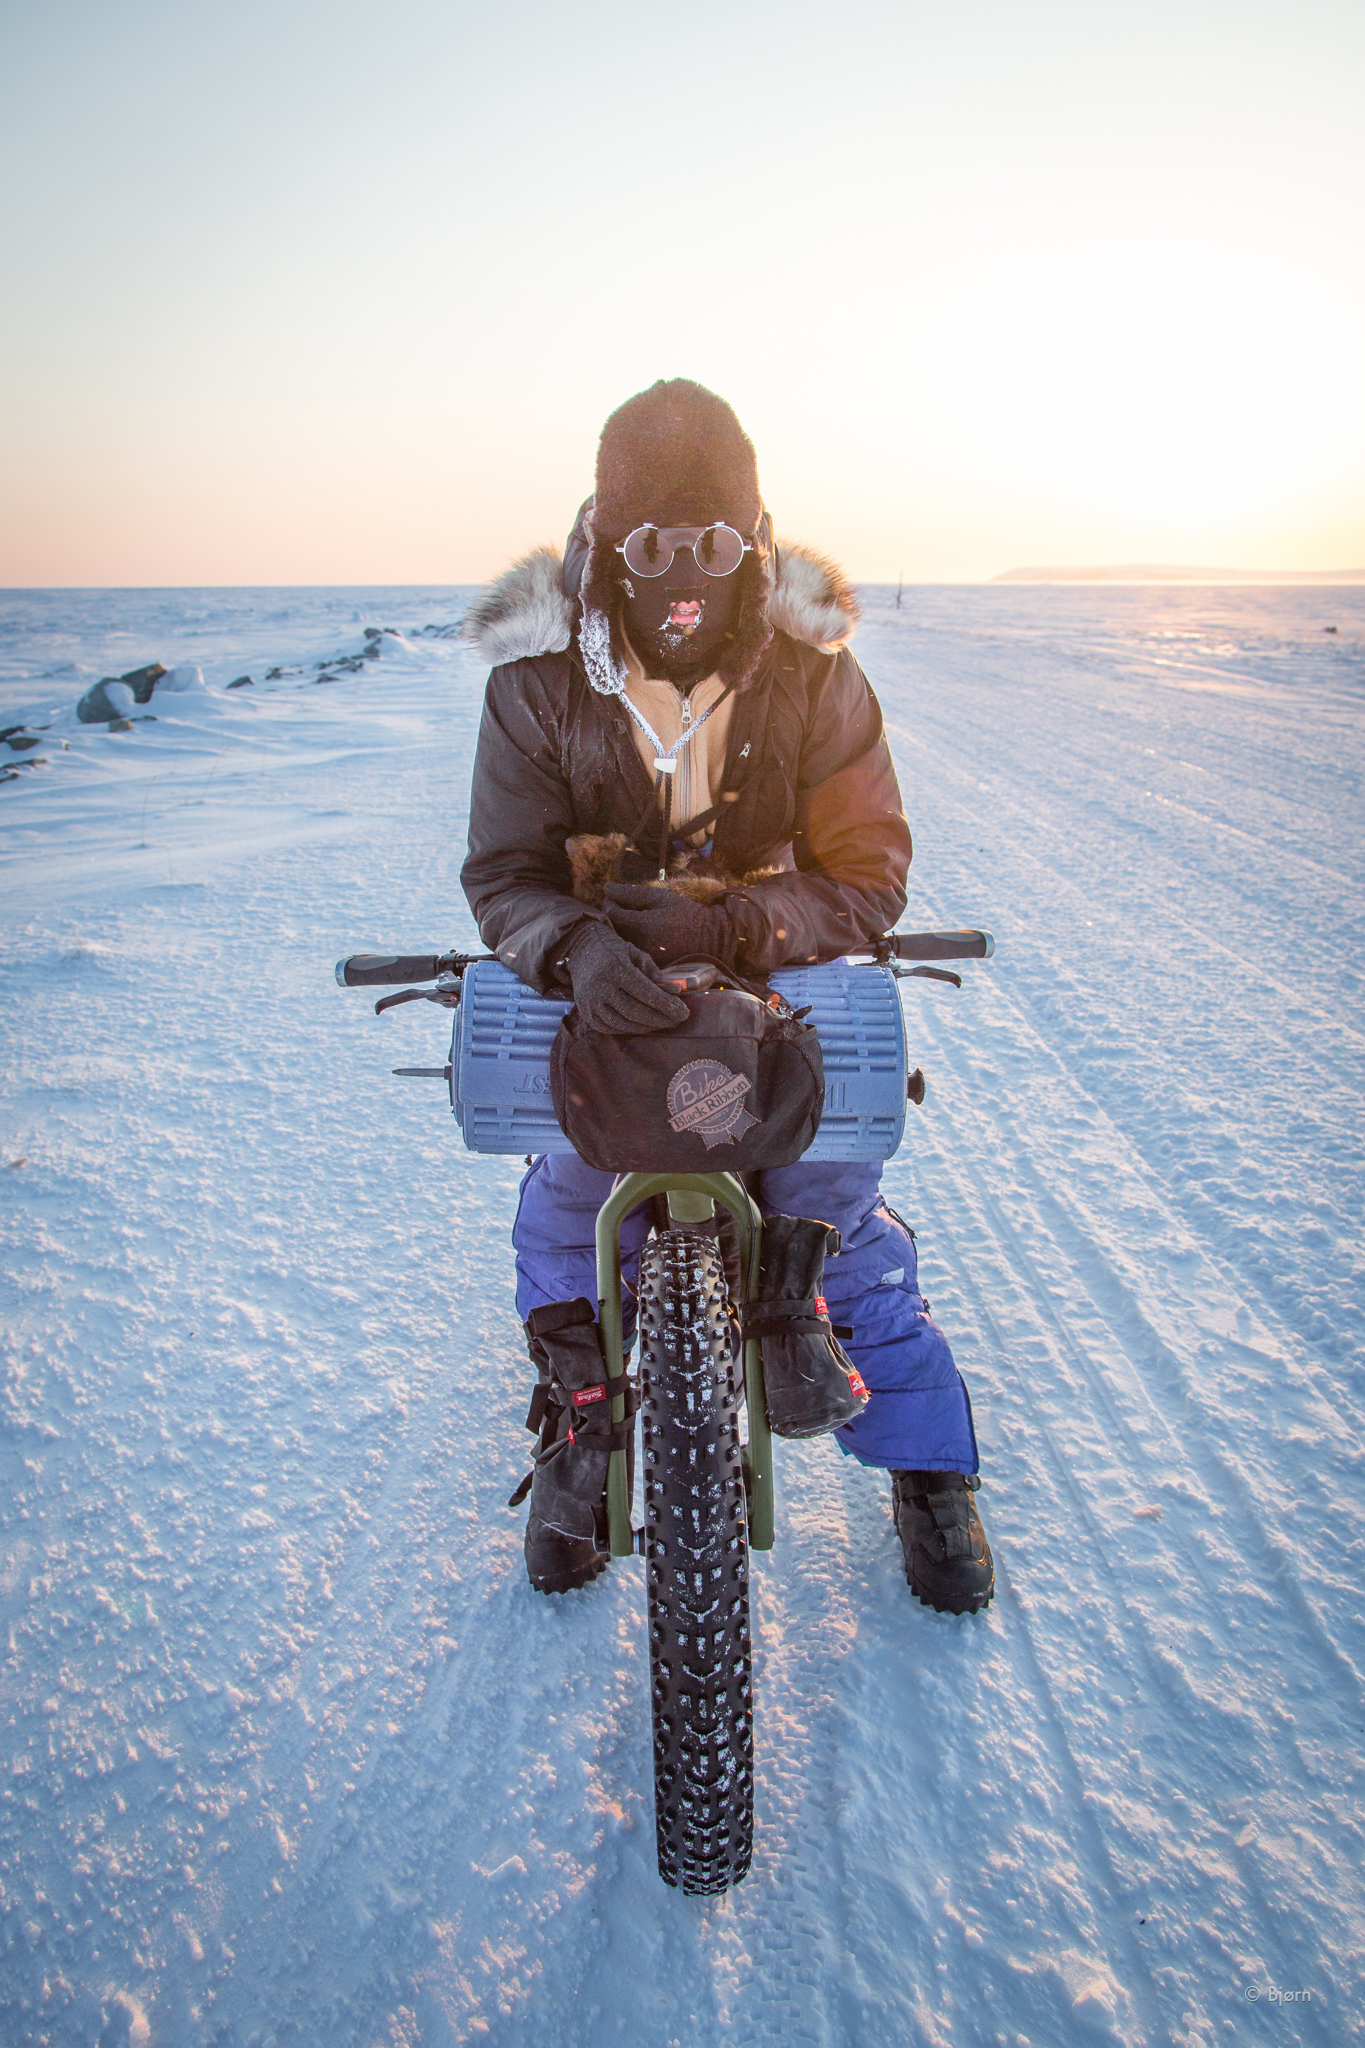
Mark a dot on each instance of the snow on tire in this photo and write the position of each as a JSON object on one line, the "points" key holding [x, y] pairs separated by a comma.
{"points": [[697, 1551]]}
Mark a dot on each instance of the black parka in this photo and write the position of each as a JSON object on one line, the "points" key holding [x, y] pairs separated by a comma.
{"points": [[808, 787]]}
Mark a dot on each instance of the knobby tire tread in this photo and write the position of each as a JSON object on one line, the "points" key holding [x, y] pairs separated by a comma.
{"points": [[697, 1564]]}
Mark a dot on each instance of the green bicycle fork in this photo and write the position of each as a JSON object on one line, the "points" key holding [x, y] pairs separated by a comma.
{"points": [[691, 1199]]}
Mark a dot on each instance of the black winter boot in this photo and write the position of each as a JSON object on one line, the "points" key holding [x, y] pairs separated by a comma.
{"points": [[556, 1563], [947, 1558]]}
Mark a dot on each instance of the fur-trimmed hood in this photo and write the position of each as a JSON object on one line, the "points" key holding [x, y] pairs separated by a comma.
{"points": [[531, 610]]}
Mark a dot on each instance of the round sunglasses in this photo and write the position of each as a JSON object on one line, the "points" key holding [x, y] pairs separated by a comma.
{"points": [[717, 550]]}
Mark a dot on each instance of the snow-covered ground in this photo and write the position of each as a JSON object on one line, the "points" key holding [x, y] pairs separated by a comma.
{"points": [[290, 1753]]}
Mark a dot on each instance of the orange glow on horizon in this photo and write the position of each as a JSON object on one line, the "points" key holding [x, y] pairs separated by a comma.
{"points": [[1070, 289]]}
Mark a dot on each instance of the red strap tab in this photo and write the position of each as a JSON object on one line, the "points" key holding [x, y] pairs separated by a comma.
{"points": [[586, 1395], [855, 1380], [821, 1306]]}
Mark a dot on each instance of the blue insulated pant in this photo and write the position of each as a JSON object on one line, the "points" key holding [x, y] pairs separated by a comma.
{"points": [[919, 1416]]}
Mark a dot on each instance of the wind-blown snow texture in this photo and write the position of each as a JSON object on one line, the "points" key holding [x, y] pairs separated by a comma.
{"points": [[290, 1753]]}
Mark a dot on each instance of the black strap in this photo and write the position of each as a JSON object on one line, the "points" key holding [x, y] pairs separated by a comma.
{"points": [[552, 1394], [704, 819], [628, 1391], [684, 833], [791, 1326], [784, 1319], [663, 797], [781, 1308], [637, 831], [631, 1394], [785, 1326]]}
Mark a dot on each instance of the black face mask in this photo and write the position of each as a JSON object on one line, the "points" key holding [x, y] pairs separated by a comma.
{"points": [[678, 623]]}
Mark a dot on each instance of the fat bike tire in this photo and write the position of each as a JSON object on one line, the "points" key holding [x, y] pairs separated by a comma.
{"points": [[697, 1565]]}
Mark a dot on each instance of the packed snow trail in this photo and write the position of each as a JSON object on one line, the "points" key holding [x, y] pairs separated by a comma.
{"points": [[291, 1752]]}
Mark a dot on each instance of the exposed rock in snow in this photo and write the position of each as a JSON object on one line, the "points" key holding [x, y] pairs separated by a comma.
{"points": [[115, 696]]}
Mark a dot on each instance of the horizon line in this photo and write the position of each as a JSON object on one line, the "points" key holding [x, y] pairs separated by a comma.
{"points": [[1153, 573]]}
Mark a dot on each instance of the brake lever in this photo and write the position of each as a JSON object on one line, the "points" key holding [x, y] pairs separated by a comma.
{"points": [[447, 997], [927, 974]]}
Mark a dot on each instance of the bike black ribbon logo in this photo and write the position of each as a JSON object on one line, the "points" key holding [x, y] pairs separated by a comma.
{"points": [[707, 1099]]}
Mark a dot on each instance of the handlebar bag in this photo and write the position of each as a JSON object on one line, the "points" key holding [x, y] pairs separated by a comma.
{"points": [[739, 1087]]}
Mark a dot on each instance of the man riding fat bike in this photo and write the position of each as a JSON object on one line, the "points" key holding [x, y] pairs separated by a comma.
{"points": [[679, 758]]}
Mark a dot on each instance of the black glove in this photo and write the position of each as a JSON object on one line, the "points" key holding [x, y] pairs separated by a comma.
{"points": [[616, 988], [671, 927]]}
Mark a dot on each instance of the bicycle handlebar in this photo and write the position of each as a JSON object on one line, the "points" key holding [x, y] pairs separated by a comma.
{"points": [[387, 970], [960, 945]]}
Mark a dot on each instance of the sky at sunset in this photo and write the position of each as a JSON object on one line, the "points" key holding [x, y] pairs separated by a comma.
{"points": [[328, 291]]}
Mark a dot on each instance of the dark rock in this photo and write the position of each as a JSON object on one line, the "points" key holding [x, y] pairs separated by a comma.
{"points": [[20, 741], [95, 707], [142, 681], [242, 683]]}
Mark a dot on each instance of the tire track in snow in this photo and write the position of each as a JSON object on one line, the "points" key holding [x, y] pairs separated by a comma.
{"points": [[1074, 1231], [1035, 1296], [1158, 1671], [1088, 1760], [1038, 858]]}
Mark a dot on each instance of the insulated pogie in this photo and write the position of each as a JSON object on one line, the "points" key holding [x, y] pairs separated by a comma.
{"points": [[811, 1384], [571, 1411]]}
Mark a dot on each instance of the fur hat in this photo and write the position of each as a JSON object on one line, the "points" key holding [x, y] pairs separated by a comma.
{"points": [[675, 454]]}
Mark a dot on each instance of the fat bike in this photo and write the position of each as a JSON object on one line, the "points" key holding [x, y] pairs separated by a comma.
{"points": [[706, 1445]]}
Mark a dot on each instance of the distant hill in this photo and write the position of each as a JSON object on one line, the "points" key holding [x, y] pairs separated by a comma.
{"points": [[1166, 572]]}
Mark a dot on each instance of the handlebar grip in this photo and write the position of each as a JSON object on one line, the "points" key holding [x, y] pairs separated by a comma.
{"points": [[963, 945], [386, 970]]}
